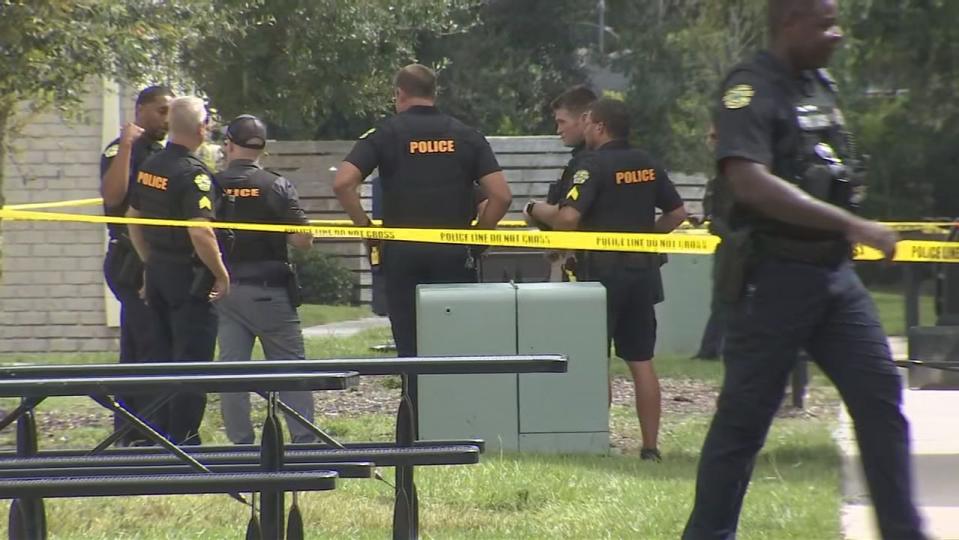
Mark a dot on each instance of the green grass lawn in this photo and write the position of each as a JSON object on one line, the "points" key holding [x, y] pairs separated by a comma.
{"points": [[892, 311], [314, 314], [794, 493]]}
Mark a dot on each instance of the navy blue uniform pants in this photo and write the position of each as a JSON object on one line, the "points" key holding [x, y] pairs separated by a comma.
{"points": [[408, 264], [828, 312], [187, 329], [138, 342]]}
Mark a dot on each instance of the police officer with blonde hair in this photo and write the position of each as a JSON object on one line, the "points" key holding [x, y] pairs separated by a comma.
{"points": [[185, 272]]}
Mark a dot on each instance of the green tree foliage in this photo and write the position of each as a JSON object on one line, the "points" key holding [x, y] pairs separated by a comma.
{"points": [[316, 68], [50, 49], [501, 74]]}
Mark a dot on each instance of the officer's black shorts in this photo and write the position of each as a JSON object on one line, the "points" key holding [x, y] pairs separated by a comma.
{"points": [[631, 297]]}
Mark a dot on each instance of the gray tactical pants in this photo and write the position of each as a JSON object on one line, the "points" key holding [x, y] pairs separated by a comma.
{"points": [[257, 311]]}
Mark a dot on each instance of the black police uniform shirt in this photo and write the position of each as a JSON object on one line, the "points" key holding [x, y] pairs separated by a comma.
{"points": [[259, 196], [617, 188], [559, 188], [142, 148], [173, 184], [429, 163], [769, 115]]}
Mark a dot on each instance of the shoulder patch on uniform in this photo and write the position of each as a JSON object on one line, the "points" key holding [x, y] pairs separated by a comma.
{"points": [[580, 176], [202, 182], [111, 151], [738, 96], [368, 133], [573, 193], [204, 203]]}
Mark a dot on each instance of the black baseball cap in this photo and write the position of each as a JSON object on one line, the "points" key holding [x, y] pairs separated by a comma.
{"points": [[247, 131]]}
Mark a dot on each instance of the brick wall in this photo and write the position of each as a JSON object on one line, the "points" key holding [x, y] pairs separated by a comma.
{"points": [[51, 291]]}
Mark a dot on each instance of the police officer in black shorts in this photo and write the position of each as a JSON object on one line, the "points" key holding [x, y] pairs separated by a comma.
{"points": [[122, 268], [264, 293], [429, 164], [617, 188], [184, 267], [788, 161]]}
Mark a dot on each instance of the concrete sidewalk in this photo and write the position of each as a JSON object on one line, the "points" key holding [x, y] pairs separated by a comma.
{"points": [[346, 328], [935, 446]]}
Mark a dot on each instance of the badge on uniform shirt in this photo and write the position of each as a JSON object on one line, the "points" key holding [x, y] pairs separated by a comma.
{"points": [[368, 133], [580, 177], [573, 193], [202, 182], [111, 151], [738, 96], [205, 203]]}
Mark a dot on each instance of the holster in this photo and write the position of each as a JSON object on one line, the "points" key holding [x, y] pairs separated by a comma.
{"points": [[731, 269], [202, 282], [130, 269], [293, 289]]}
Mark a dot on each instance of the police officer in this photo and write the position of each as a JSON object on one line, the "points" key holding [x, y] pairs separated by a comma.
{"points": [[783, 151], [715, 211], [264, 292], [429, 164], [184, 268], [568, 112], [617, 188], [122, 268]]}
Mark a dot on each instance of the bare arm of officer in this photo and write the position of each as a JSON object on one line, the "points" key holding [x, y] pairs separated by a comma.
{"points": [[116, 179], [208, 250], [348, 179], [498, 199], [301, 241], [668, 221], [136, 235], [755, 186], [564, 218]]}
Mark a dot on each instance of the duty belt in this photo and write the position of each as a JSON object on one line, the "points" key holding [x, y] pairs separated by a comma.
{"points": [[829, 253]]}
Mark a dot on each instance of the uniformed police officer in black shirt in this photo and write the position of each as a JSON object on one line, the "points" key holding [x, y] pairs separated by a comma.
{"points": [[569, 109], [264, 293], [617, 188], [184, 268], [784, 151], [429, 164], [122, 268]]}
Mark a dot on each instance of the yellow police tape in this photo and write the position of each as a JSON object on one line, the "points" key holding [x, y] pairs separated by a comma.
{"points": [[906, 250], [56, 204]]}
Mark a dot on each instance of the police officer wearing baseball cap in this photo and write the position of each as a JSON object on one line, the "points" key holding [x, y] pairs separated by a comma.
{"points": [[429, 164], [184, 268], [264, 293]]}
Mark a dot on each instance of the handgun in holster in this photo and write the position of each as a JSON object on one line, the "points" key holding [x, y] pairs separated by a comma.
{"points": [[203, 281], [731, 270], [293, 288]]}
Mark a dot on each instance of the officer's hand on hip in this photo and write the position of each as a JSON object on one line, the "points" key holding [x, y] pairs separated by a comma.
{"points": [[873, 234], [221, 288]]}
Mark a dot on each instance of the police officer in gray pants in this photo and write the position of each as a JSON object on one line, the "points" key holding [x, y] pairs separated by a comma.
{"points": [[264, 292]]}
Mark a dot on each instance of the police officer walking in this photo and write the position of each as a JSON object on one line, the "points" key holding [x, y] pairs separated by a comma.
{"points": [[429, 164], [122, 268], [264, 292], [568, 112], [784, 151], [184, 268], [617, 188]]}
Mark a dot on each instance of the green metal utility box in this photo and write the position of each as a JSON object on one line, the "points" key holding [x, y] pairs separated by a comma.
{"points": [[551, 412], [688, 286]]}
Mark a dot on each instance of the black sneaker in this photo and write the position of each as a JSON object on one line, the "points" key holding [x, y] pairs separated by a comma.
{"points": [[650, 454]]}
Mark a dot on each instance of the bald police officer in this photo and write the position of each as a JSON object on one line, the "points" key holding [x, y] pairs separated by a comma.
{"points": [[429, 164], [122, 267], [617, 188], [184, 267], [263, 290]]}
